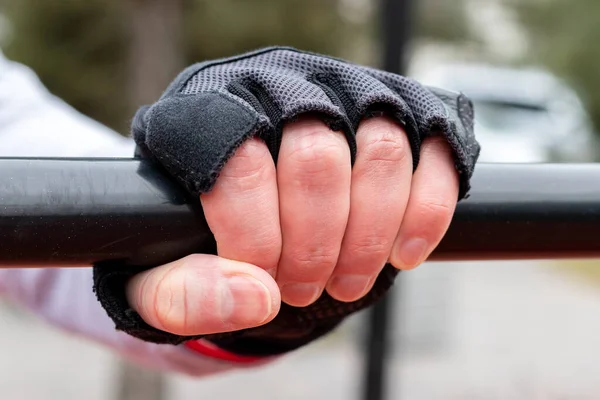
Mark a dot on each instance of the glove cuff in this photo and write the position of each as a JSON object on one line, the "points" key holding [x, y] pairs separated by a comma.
{"points": [[273, 346]]}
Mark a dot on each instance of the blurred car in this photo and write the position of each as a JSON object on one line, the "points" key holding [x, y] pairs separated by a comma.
{"points": [[522, 115]]}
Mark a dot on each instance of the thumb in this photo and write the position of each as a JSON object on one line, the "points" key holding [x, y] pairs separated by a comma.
{"points": [[204, 294]]}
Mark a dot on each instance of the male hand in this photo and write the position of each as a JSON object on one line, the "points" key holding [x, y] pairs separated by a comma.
{"points": [[305, 168], [308, 224]]}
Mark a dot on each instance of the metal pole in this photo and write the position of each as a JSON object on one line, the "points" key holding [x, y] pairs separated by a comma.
{"points": [[76, 212], [395, 35], [155, 56], [136, 383]]}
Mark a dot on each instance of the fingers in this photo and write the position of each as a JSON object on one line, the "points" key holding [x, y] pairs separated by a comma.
{"points": [[204, 294], [432, 203], [242, 209], [315, 222], [314, 173], [381, 180]]}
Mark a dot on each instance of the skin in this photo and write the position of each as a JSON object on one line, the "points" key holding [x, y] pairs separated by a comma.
{"points": [[287, 232]]}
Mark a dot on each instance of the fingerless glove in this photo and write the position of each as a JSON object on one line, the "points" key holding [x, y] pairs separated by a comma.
{"points": [[213, 107]]}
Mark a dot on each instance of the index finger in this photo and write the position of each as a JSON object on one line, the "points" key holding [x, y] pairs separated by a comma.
{"points": [[242, 210]]}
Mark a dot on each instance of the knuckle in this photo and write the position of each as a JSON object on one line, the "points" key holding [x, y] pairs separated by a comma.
{"points": [[438, 209], [170, 301], [317, 152], [385, 146], [435, 146], [262, 250], [435, 215], [311, 265], [251, 160], [369, 246], [252, 148]]}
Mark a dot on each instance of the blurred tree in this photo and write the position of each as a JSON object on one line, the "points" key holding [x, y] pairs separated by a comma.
{"points": [[105, 57], [220, 28], [77, 48], [155, 53], [443, 21], [562, 36]]}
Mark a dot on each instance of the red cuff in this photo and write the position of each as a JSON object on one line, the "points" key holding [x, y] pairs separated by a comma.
{"points": [[210, 350]]}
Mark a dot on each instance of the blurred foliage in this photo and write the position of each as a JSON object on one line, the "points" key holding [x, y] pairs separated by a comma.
{"points": [[443, 21], [223, 28], [562, 36], [586, 270], [79, 48]]}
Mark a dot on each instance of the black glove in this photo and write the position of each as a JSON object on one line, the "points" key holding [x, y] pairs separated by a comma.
{"points": [[213, 107]]}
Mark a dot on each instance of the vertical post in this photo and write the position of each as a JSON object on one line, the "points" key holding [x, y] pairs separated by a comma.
{"points": [[155, 56], [155, 50], [135, 383], [395, 22]]}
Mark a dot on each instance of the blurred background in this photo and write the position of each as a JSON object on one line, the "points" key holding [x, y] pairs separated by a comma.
{"points": [[502, 330]]}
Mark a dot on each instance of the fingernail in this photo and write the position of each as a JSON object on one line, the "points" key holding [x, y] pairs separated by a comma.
{"points": [[349, 287], [296, 293], [410, 253], [245, 301]]}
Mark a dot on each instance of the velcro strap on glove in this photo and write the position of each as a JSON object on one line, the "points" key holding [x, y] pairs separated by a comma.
{"points": [[214, 107]]}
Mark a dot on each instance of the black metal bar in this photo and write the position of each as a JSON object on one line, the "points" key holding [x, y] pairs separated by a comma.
{"points": [[527, 211], [396, 27], [76, 211], [377, 349], [73, 212]]}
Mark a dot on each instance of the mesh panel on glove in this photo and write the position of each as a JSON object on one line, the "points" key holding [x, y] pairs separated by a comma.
{"points": [[213, 107]]}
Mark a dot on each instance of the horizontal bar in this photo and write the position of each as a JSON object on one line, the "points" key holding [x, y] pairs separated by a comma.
{"points": [[527, 211], [74, 212]]}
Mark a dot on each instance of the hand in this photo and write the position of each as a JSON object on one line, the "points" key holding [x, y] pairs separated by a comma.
{"points": [[308, 224], [343, 203]]}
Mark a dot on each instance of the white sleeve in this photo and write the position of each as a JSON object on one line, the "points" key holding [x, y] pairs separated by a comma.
{"points": [[63, 297], [35, 123]]}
